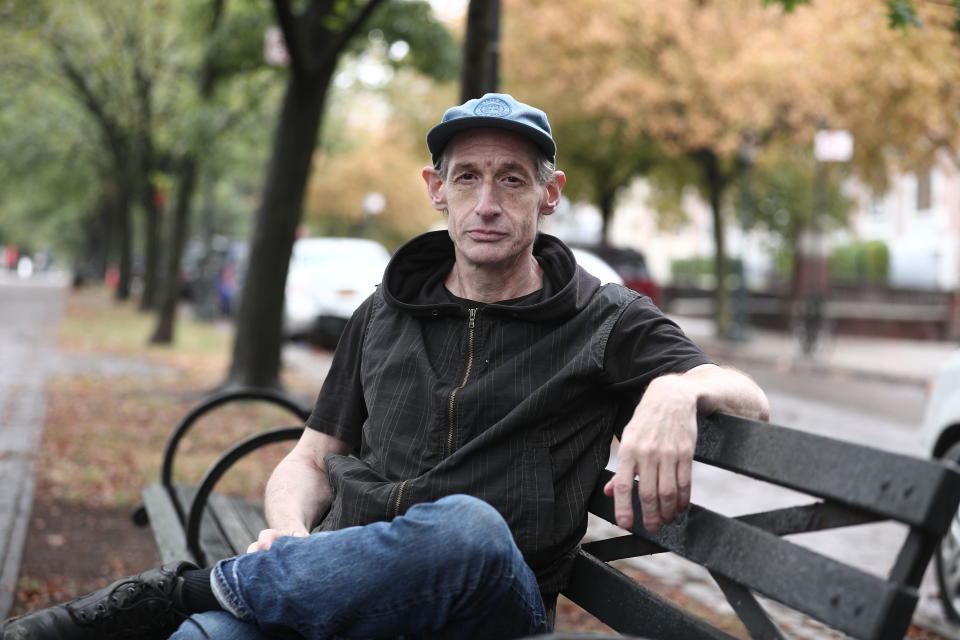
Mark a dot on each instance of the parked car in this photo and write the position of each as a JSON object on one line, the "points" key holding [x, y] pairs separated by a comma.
{"points": [[211, 275], [632, 267], [596, 266], [327, 280], [941, 437]]}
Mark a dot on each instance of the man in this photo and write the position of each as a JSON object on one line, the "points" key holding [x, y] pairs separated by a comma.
{"points": [[463, 425]]}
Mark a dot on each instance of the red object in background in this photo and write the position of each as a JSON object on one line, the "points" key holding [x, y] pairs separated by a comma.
{"points": [[10, 256], [632, 267], [646, 286], [112, 278]]}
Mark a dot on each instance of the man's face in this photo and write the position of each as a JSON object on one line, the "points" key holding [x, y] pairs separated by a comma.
{"points": [[492, 196]]}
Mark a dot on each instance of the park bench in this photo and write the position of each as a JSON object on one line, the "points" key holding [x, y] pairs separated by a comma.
{"points": [[849, 484]]}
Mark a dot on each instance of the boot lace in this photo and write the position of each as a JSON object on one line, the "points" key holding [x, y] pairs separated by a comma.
{"points": [[135, 608]]}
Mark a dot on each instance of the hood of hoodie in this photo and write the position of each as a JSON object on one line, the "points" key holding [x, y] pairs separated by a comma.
{"points": [[414, 280]]}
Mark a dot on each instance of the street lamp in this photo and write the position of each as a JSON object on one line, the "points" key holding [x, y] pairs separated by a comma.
{"points": [[373, 204], [741, 311], [829, 146]]}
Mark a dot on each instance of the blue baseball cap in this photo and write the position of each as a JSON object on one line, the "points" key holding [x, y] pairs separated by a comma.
{"points": [[496, 110]]}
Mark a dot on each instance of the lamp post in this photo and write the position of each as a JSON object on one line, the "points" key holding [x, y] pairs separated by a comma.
{"points": [[373, 204], [829, 146], [740, 330]]}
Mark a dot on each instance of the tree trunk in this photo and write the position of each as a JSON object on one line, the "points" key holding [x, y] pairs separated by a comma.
{"points": [[152, 231], [716, 183], [479, 73], [124, 241], [721, 296], [256, 346], [179, 224], [169, 294], [606, 198]]}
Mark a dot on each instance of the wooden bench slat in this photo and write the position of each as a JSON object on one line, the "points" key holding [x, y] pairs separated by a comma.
{"points": [[213, 540], [167, 531], [819, 516], [233, 515], [906, 489], [230, 524], [629, 607], [753, 616], [837, 594]]}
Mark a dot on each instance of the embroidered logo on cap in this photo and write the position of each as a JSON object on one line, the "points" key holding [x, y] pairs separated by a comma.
{"points": [[492, 107]]}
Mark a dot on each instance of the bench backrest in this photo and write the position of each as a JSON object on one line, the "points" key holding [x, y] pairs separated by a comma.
{"points": [[746, 554]]}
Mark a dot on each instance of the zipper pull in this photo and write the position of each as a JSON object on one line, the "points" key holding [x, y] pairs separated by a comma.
{"points": [[473, 317]]}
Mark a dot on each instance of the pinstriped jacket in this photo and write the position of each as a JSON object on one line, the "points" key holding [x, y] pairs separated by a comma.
{"points": [[514, 403]]}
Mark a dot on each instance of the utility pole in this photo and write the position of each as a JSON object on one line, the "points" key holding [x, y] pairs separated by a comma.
{"points": [[480, 72]]}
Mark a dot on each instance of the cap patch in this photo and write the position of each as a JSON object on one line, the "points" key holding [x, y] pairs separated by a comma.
{"points": [[494, 107]]}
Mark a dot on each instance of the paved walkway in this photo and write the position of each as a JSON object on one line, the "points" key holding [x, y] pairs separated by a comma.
{"points": [[29, 312], [903, 361]]}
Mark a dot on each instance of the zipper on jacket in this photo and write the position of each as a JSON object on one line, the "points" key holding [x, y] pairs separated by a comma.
{"points": [[451, 406], [397, 502]]}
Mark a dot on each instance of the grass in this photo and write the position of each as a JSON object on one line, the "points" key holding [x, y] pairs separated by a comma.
{"points": [[94, 322], [107, 426]]}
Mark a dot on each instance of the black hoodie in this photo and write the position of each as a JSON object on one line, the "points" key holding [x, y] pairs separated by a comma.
{"points": [[513, 402]]}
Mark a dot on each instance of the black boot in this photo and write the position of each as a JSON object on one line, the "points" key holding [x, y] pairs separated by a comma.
{"points": [[145, 606]]}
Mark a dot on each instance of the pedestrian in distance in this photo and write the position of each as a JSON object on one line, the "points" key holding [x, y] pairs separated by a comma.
{"points": [[439, 488]]}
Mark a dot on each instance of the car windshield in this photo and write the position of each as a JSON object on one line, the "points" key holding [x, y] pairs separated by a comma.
{"points": [[332, 253]]}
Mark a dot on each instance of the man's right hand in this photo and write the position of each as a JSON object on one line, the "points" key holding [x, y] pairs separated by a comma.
{"points": [[267, 537], [298, 492]]}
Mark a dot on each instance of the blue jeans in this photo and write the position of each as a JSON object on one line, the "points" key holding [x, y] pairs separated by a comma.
{"points": [[446, 569]]}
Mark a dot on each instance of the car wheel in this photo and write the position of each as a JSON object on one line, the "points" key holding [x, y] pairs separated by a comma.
{"points": [[947, 558]]}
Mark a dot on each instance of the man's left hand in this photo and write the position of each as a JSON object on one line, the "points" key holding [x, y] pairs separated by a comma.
{"points": [[657, 444]]}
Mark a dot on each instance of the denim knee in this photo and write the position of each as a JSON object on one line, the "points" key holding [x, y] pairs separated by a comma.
{"points": [[474, 529], [215, 625]]}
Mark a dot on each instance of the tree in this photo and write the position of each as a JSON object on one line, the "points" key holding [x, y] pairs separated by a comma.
{"points": [[60, 203], [901, 14], [384, 161], [702, 80], [231, 46], [79, 57], [316, 37], [790, 194], [687, 78]]}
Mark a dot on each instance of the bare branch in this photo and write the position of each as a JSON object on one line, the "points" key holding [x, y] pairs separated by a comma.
{"points": [[88, 98], [354, 25], [209, 71]]}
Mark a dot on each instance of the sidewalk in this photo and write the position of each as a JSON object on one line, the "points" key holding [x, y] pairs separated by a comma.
{"points": [[888, 359], [31, 311]]}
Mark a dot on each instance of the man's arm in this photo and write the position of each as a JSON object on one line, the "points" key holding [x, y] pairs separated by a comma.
{"points": [[658, 442], [298, 492]]}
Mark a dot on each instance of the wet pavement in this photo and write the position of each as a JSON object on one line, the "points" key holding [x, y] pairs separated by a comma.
{"points": [[29, 314]]}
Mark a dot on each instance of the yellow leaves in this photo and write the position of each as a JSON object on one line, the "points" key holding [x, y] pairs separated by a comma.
{"points": [[702, 75], [378, 162]]}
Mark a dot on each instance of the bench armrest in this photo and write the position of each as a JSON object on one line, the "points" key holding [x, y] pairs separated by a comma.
{"points": [[270, 396], [216, 471]]}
